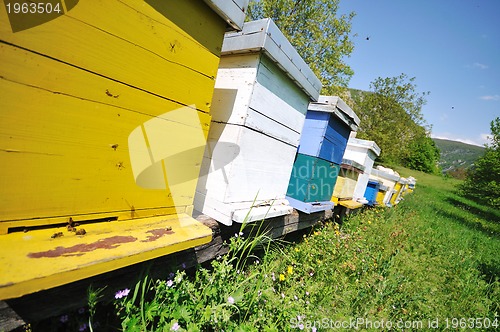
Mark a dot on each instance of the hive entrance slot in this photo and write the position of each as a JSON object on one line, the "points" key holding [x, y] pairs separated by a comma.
{"points": [[62, 224]]}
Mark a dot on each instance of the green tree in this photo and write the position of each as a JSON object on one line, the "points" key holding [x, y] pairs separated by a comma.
{"points": [[321, 37], [483, 179], [423, 155], [391, 115]]}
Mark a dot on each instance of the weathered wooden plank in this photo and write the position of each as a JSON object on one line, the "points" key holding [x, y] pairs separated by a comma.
{"points": [[56, 256], [41, 305], [138, 53]]}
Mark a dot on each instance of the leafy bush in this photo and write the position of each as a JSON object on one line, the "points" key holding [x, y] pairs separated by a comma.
{"points": [[483, 180]]}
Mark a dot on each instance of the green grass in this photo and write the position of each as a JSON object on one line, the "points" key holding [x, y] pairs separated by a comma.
{"points": [[432, 259]]}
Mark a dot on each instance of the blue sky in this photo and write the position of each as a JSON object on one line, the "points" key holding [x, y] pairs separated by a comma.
{"points": [[452, 47]]}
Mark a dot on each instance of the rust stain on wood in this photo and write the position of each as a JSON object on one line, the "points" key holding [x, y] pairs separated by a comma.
{"points": [[158, 233], [81, 249]]}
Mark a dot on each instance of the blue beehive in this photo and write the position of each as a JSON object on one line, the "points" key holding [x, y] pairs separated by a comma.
{"points": [[371, 192], [327, 127], [329, 121]]}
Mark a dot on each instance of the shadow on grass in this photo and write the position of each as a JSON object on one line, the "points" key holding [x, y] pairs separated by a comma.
{"points": [[489, 214], [490, 228], [490, 272]]}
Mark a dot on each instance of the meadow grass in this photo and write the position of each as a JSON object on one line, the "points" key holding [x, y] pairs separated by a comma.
{"points": [[430, 262]]}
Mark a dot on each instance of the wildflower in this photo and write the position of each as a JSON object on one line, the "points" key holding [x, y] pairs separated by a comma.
{"points": [[297, 249], [83, 327], [282, 295], [257, 262], [171, 275], [175, 327], [301, 326], [230, 300], [307, 293], [178, 278], [64, 318], [282, 277], [290, 269], [313, 329], [122, 293], [170, 283], [183, 266], [241, 234], [273, 277], [311, 273], [236, 235], [81, 310], [295, 297]]}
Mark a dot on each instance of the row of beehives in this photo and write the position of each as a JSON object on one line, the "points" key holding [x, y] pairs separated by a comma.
{"points": [[275, 144], [122, 156]]}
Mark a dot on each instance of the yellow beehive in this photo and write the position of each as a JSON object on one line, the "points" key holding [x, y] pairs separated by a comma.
{"points": [[105, 111]]}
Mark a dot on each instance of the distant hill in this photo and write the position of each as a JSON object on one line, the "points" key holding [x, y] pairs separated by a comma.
{"points": [[456, 157]]}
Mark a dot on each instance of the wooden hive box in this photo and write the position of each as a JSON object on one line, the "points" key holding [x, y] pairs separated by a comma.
{"points": [[363, 152], [311, 183], [105, 113], [389, 178], [262, 91], [399, 189], [371, 192], [347, 180], [327, 127]]}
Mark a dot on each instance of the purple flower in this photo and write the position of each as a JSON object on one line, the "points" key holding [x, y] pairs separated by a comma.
{"points": [[64, 318], [122, 293], [175, 327], [301, 326], [170, 283], [183, 266], [230, 300], [313, 329], [83, 327], [171, 275], [81, 310]]}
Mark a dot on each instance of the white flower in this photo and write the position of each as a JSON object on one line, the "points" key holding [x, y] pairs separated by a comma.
{"points": [[230, 300]]}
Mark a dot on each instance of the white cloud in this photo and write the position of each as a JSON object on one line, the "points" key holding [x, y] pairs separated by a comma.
{"points": [[490, 97], [479, 65], [443, 117]]}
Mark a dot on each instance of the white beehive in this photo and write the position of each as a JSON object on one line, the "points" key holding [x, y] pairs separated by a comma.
{"points": [[262, 92], [363, 152]]}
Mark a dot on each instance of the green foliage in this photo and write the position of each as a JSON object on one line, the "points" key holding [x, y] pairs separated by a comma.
{"points": [[391, 115], [321, 37], [215, 299], [483, 180], [423, 155]]}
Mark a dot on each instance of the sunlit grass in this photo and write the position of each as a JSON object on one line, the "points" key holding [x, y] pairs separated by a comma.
{"points": [[432, 258]]}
